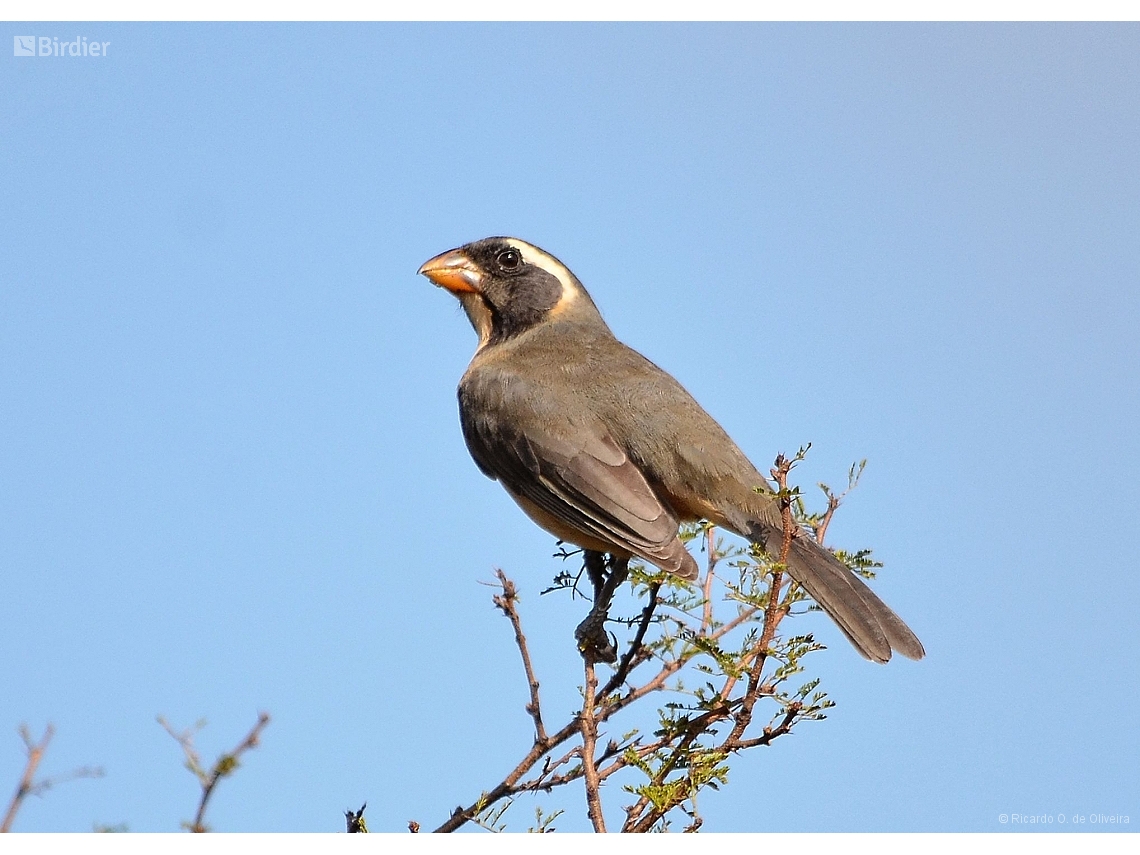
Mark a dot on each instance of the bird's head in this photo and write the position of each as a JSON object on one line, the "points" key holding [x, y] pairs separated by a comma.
{"points": [[507, 286]]}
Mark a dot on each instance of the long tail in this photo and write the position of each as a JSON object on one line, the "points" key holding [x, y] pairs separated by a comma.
{"points": [[869, 623]]}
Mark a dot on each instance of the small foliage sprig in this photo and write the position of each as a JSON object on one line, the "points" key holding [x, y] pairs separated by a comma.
{"points": [[225, 765], [28, 785]]}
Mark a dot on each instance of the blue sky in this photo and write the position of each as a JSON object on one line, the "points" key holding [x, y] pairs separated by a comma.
{"points": [[231, 472]]}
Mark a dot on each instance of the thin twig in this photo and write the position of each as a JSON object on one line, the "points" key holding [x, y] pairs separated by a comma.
{"points": [[774, 611], [462, 815], [589, 729], [825, 521], [225, 765], [547, 782], [770, 733], [28, 786], [35, 755], [634, 650], [710, 545], [507, 603], [833, 501]]}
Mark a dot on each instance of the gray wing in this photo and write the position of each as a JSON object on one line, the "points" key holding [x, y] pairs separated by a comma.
{"points": [[580, 477]]}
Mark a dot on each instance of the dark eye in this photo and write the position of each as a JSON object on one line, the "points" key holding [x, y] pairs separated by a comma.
{"points": [[509, 259]]}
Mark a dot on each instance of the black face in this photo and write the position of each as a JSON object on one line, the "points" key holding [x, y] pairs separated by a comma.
{"points": [[518, 294]]}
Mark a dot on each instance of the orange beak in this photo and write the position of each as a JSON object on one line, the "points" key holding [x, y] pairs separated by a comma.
{"points": [[454, 271]]}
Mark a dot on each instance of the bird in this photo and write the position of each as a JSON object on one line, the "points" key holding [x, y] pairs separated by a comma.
{"points": [[607, 451]]}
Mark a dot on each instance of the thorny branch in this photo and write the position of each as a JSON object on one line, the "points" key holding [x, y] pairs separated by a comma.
{"points": [[774, 612], [651, 807], [589, 728], [682, 747], [28, 785], [225, 765], [507, 602]]}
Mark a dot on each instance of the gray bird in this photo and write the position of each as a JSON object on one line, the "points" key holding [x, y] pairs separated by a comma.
{"points": [[605, 450]]}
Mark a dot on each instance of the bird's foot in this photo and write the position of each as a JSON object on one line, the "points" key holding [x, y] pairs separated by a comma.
{"points": [[594, 643]]}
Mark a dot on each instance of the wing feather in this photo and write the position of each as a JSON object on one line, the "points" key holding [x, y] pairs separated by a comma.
{"points": [[581, 477]]}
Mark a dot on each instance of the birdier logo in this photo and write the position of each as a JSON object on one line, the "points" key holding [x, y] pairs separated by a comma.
{"points": [[54, 46]]}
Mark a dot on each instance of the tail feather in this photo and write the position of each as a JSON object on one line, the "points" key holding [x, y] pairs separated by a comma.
{"points": [[869, 623]]}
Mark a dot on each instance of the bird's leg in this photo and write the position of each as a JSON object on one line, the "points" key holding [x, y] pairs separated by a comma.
{"points": [[619, 572], [596, 569], [593, 641]]}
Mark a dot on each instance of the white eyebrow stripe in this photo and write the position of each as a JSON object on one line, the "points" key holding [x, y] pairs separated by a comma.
{"points": [[533, 255]]}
